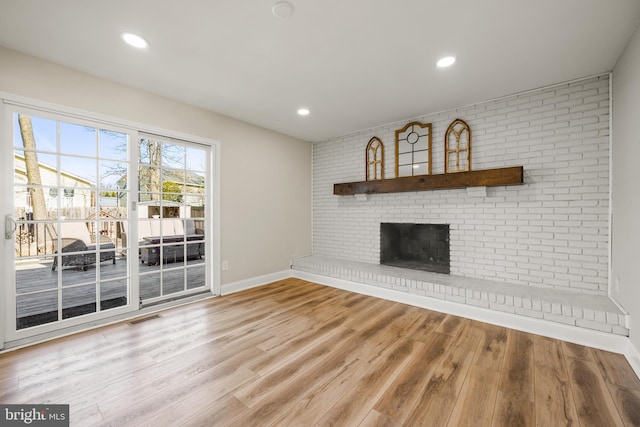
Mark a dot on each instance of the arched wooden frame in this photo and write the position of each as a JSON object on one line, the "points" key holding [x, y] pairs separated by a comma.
{"points": [[375, 159], [457, 158], [413, 149]]}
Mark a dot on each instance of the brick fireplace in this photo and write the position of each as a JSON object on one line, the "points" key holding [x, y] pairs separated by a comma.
{"points": [[539, 250], [551, 232]]}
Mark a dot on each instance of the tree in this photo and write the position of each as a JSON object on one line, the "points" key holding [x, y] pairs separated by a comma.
{"points": [[33, 178], [149, 174]]}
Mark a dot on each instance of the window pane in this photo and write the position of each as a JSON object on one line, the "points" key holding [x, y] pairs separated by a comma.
{"points": [[77, 172], [196, 159], [46, 168], [149, 179], [173, 281], [421, 157], [149, 152], [113, 174], [35, 275], [36, 309], [78, 301], [77, 139], [112, 145], [196, 277], [113, 294], [44, 132], [405, 159], [173, 156], [405, 170], [150, 285], [76, 203]]}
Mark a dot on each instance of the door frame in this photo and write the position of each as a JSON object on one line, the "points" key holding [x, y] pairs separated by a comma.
{"points": [[10, 102]]}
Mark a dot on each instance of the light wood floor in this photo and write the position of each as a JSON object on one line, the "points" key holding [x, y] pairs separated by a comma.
{"points": [[297, 353]]}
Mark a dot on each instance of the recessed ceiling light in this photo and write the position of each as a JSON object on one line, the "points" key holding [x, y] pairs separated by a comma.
{"points": [[282, 9], [134, 40], [303, 111], [446, 61]]}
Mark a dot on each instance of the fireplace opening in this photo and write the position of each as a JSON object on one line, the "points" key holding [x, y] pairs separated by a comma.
{"points": [[415, 246]]}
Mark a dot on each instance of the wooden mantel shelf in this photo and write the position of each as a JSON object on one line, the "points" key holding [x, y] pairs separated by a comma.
{"points": [[482, 178]]}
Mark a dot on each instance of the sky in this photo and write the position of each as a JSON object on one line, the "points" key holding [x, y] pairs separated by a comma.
{"points": [[89, 152]]}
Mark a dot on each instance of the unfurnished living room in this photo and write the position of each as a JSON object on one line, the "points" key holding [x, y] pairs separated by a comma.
{"points": [[313, 213]]}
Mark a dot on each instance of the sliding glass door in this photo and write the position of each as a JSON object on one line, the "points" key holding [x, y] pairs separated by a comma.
{"points": [[103, 220]]}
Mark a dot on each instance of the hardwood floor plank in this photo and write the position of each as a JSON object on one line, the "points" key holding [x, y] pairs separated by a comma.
{"points": [[553, 398], [314, 405], [283, 397], [360, 400], [616, 370], [288, 350], [287, 331], [477, 398], [85, 417], [490, 353], [406, 390], [594, 403], [515, 400], [361, 318], [376, 419], [450, 325], [134, 409], [214, 415], [203, 402], [381, 330], [628, 404], [438, 398], [577, 351], [429, 324], [286, 371], [295, 353]]}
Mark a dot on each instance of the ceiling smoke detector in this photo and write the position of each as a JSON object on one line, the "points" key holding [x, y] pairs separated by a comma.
{"points": [[282, 9]]}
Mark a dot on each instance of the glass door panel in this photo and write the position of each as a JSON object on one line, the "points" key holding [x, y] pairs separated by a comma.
{"points": [[71, 221], [171, 217]]}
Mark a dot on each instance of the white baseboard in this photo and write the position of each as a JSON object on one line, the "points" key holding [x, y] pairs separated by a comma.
{"points": [[633, 356], [253, 282], [574, 334]]}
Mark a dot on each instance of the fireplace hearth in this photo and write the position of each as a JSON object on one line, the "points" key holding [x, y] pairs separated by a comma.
{"points": [[415, 246]]}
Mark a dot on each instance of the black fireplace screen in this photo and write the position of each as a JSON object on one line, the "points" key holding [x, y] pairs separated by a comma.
{"points": [[416, 246]]}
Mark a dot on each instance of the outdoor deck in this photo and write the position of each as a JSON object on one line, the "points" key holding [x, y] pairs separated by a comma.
{"points": [[79, 287]]}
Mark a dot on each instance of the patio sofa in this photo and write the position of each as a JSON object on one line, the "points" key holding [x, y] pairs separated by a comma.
{"points": [[174, 231], [82, 246]]}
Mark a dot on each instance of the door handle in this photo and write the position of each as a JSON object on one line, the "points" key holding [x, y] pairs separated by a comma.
{"points": [[9, 226]]}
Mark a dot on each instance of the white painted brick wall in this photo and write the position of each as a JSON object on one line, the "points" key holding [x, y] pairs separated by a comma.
{"points": [[551, 232]]}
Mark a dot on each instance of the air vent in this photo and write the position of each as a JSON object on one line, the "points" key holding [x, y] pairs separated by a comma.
{"points": [[144, 319]]}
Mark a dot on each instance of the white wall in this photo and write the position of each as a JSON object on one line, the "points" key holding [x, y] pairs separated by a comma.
{"points": [[266, 176], [625, 179], [550, 232]]}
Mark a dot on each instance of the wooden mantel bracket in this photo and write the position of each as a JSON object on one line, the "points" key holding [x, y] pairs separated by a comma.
{"points": [[482, 178]]}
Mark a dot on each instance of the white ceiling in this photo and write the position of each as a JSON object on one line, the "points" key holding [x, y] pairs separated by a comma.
{"points": [[354, 63]]}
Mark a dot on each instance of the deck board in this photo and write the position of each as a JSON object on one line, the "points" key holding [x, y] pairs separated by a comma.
{"points": [[36, 283]]}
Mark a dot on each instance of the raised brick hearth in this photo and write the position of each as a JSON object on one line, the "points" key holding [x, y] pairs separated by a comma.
{"points": [[594, 312]]}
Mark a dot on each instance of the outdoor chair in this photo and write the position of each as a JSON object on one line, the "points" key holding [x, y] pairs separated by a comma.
{"points": [[81, 246]]}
